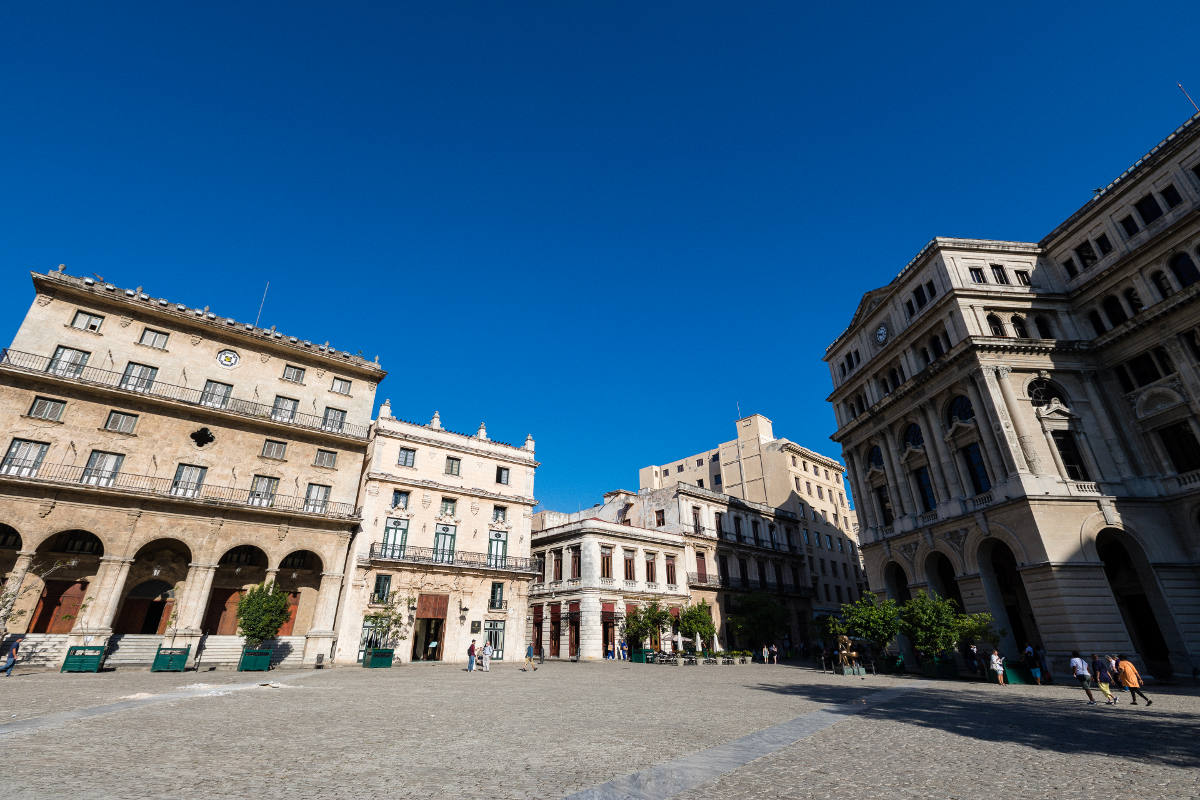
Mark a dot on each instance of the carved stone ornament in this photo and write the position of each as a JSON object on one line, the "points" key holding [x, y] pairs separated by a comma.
{"points": [[373, 490], [44, 299], [474, 507], [908, 550], [955, 539], [195, 339], [125, 322], [283, 532], [426, 499], [320, 373], [264, 357]]}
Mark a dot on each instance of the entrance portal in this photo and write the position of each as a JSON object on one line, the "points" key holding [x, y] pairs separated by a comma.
{"points": [[1006, 595], [1118, 552], [147, 608], [429, 629]]}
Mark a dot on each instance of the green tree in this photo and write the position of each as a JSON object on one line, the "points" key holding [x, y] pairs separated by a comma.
{"points": [[393, 622], [696, 620], [978, 628], [932, 623], [873, 620], [261, 613], [642, 622], [757, 619]]}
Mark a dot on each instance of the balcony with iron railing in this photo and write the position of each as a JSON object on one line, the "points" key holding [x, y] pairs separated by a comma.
{"points": [[93, 478], [447, 557], [73, 372], [497, 605]]}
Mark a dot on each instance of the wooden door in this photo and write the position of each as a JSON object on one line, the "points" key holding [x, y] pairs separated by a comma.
{"points": [[293, 604], [221, 617], [58, 609], [165, 622]]}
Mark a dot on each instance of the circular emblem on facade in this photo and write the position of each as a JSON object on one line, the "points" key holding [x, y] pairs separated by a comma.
{"points": [[228, 358], [881, 334]]}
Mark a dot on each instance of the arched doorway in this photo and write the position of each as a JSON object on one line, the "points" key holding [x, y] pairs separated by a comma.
{"points": [[156, 576], [939, 572], [76, 554], [300, 576], [1142, 606], [1007, 598], [147, 608], [238, 570], [896, 582]]}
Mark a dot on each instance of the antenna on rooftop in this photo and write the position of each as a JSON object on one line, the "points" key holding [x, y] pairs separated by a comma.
{"points": [[1188, 96], [261, 303]]}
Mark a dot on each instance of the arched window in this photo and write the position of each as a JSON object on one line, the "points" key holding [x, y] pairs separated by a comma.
{"points": [[1184, 269], [935, 346], [996, 325], [913, 437], [1134, 300], [1162, 284], [1114, 310], [893, 377], [960, 409], [1019, 329], [1042, 391], [1097, 323], [1045, 331], [875, 457]]}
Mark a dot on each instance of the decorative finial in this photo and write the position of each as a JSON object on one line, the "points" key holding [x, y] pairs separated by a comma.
{"points": [[436, 422], [61, 267], [529, 442], [482, 432], [385, 410]]}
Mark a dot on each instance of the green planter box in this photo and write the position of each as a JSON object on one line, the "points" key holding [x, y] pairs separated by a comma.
{"points": [[84, 658], [378, 658], [638, 657], [171, 659], [254, 660], [851, 670]]}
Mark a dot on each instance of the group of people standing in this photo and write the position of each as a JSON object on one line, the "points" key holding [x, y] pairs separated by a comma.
{"points": [[484, 655]]}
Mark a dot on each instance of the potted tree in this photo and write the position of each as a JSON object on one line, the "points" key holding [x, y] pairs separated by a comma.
{"points": [[261, 613], [696, 622], [389, 625]]}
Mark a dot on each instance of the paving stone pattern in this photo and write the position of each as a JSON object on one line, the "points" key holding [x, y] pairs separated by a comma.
{"points": [[607, 730]]}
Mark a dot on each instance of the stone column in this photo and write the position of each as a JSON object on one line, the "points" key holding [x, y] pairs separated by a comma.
{"points": [[863, 502], [96, 618], [1020, 425], [935, 457], [901, 477], [1100, 413], [1058, 462], [1002, 462], [190, 608], [12, 586], [272, 575], [320, 633], [591, 635]]}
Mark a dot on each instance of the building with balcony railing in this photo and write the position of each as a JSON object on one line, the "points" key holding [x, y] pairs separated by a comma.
{"points": [[1020, 422], [445, 534], [167, 459]]}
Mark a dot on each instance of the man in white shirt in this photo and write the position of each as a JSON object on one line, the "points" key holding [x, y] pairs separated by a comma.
{"points": [[1079, 669]]}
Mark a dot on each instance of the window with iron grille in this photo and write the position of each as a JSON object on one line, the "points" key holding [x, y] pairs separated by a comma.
{"points": [[87, 322], [293, 374], [263, 489], [334, 419], [999, 274], [102, 468], [499, 514], [449, 507], [47, 408], [120, 422], [383, 589], [138, 377], [189, 478], [284, 408], [274, 449], [341, 386], [399, 498], [977, 275], [216, 394], [326, 458], [395, 537], [153, 338]]}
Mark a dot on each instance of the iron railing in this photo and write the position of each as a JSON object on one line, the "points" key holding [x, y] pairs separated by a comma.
{"points": [[450, 557], [497, 605], [94, 376], [203, 493]]}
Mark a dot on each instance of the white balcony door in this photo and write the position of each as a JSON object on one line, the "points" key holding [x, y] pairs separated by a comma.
{"points": [[68, 361], [102, 468], [188, 480], [262, 490], [23, 458], [443, 543], [317, 498]]}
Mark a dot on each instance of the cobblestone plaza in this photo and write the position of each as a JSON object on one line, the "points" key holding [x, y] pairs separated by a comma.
{"points": [[609, 730]]}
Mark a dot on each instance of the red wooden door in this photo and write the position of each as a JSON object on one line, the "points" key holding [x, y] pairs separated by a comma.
{"points": [[293, 604], [58, 609], [221, 617], [165, 622], [132, 615], [555, 629]]}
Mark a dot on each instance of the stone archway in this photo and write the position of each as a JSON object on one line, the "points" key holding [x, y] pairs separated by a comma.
{"points": [[10, 545], [156, 577], [239, 569], [1006, 596], [299, 575], [939, 573], [73, 560], [895, 580], [1144, 610]]}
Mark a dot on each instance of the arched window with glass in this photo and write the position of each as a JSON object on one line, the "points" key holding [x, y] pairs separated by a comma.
{"points": [[1019, 328], [1114, 310], [1042, 391], [1184, 270], [959, 410], [913, 437], [1043, 326], [1162, 284], [997, 327]]}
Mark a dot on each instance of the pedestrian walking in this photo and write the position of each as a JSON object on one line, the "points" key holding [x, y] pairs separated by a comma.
{"points": [[471, 657], [1079, 669], [487, 656], [766, 654], [1035, 666], [1132, 679], [624, 650], [10, 661], [1044, 663], [1103, 675], [774, 654], [529, 665], [997, 663]]}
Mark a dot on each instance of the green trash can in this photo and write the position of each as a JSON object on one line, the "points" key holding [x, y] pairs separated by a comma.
{"points": [[638, 657], [254, 660], [378, 657], [83, 658], [171, 659]]}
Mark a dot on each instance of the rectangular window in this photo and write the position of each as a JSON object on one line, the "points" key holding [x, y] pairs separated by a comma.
{"points": [[754, 530], [316, 499], [449, 507], [153, 338], [263, 489], [1103, 244], [217, 394], [1148, 209], [919, 296], [399, 498], [1182, 448], [1170, 195], [630, 571], [87, 322], [999, 274], [453, 465], [606, 562], [138, 377], [23, 458], [293, 374], [829, 542], [1085, 254], [1068, 450], [334, 419], [340, 385], [808, 487], [120, 422], [651, 569], [670, 570], [498, 549], [925, 489], [930, 289], [443, 543], [908, 307], [47, 408], [499, 514], [68, 361], [395, 537], [1068, 266], [841, 545], [102, 468], [326, 458], [660, 518], [737, 527], [1128, 224], [496, 598], [885, 506], [383, 589], [576, 565], [716, 478], [744, 571], [975, 468], [977, 275], [188, 480], [1022, 277], [408, 457], [820, 493], [284, 408], [502, 475], [274, 449]]}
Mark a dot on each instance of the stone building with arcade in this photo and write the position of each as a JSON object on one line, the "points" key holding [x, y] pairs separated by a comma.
{"points": [[159, 459], [1021, 422]]}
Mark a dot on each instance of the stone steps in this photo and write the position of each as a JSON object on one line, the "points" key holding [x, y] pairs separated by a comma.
{"points": [[224, 652], [38, 649], [132, 649]]}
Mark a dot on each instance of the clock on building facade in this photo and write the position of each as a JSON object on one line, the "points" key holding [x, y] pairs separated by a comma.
{"points": [[881, 334]]}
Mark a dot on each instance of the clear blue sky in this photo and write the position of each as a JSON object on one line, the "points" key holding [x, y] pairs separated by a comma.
{"points": [[605, 224]]}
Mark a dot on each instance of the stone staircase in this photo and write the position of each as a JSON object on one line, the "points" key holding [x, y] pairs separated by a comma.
{"points": [[132, 649], [224, 652], [37, 649]]}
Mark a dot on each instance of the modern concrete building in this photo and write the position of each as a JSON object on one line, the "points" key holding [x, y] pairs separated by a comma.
{"points": [[445, 535], [158, 460], [1020, 422]]}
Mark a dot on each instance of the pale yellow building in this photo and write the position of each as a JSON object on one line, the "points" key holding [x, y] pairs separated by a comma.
{"points": [[158, 459]]}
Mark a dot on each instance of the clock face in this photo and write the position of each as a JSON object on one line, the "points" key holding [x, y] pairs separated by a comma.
{"points": [[228, 358], [881, 334]]}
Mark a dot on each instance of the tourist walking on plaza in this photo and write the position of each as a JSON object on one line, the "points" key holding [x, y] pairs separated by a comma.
{"points": [[1132, 679], [471, 657], [13, 650], [1035, 666], [774, 654], [998, 667], [487, 656], [529, 665], [624, 650], [766, 655], [1079, 669], [1103, 673]]}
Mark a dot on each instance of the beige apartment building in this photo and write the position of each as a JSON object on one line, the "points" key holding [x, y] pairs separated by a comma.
{"points": [[158, 460], [807, 487], [1020, 422], [446, 537]]}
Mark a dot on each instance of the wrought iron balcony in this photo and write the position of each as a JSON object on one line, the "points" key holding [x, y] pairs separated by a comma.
{"points": [[61, 369], [199, 493], [453, 558], [497, 605], [694, 579]]}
